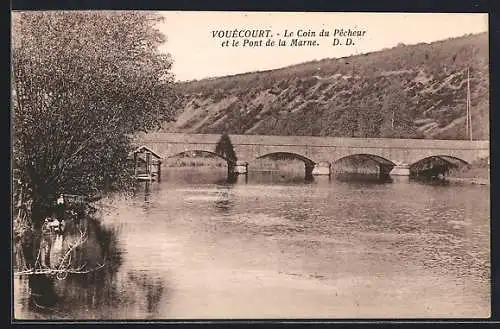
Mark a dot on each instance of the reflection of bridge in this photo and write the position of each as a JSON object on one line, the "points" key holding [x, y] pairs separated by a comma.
{"points": [[325, 151]]}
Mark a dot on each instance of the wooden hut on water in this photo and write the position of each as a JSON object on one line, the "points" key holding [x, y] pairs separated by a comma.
{"points": [[147, 164]]}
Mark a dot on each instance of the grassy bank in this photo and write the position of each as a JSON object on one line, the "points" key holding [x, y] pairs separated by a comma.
{"points": [[477, 172]]}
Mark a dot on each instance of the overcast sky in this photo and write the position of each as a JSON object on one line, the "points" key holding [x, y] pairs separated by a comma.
{"points": [[198, 55]]}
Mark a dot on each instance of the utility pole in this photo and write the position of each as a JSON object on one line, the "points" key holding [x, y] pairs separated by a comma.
{"points": [[469, 115], [392, 120]]}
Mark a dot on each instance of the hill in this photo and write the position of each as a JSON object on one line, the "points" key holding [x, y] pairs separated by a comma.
{"points": [[415, 91]]}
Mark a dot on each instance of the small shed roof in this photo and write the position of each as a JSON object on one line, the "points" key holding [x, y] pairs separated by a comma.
{"points": [[142, 149]]}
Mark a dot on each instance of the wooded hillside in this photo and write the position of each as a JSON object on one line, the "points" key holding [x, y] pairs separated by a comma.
{"points": [[415, 91]]}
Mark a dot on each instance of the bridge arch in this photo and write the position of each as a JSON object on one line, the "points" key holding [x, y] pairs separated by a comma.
{"points": [[283, 155], [287, 156], [436, 164], [195, 158], [371, 157], [195, 153], [447, 158], [347, 164]]}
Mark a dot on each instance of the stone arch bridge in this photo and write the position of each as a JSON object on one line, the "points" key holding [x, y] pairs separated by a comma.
{"points": [[324, 151]]}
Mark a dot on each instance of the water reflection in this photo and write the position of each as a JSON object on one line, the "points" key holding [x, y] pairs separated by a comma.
{"points": [[429, 180], [279, 177], [372, 178], [274, 246], [92, 287], [224, 201], [151, 288]]}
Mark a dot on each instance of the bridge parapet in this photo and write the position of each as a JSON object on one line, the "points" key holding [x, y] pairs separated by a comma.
{"points": [[314, 141]]}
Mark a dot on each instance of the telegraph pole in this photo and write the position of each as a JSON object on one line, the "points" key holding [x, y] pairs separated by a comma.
{"points": [[469, 115]]}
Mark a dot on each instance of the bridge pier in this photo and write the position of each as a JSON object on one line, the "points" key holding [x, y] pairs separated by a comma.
{"points": [[322, 168], [241, 168], [236, 169], [159, 172], [309, 167], [385, 170]]}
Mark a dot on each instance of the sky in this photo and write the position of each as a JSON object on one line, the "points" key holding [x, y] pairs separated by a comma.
{"points": [[197, 54]]}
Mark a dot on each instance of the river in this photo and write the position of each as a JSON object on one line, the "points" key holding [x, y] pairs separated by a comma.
{"points": [[274, 246]]}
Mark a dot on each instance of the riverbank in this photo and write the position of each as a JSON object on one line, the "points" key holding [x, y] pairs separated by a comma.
{"points": [[473, 180], [477, 173]]}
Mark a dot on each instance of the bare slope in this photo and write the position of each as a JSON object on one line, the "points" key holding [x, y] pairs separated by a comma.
{"points": [[416, 91]]}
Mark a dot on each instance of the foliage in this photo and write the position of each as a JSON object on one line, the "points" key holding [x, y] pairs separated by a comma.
{"points": [[225, 149], [397, 122], [82, 84], [423, 85]]}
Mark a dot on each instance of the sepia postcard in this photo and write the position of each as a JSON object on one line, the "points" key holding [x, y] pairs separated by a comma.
{"points": [[250, 165]]}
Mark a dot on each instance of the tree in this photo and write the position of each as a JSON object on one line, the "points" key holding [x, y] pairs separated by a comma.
{"points": [[83, 83], [397, 121], [225, 150], [373, 119]]}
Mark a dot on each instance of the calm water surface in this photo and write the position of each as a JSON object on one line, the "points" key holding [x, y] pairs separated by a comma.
{"points": [[276, 247]]}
